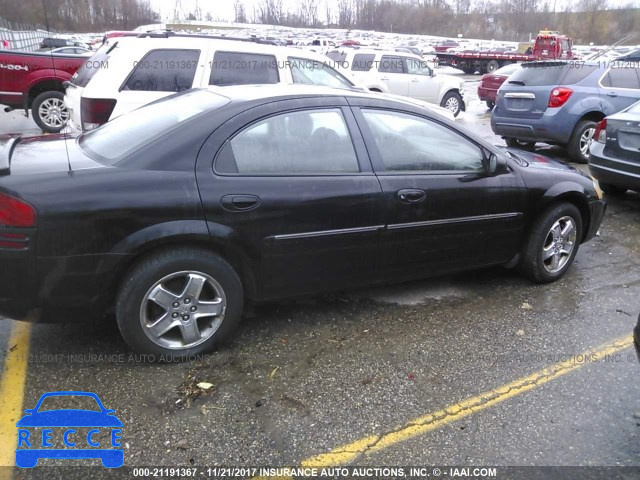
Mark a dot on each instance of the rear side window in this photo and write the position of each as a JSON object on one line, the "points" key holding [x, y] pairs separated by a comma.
{"points": [[312, 72], [621, 78], [337, 56], [164, 71], [539, 74], [362, 62], [294, 143], [85, 73], [389, 64], [234, 68]]}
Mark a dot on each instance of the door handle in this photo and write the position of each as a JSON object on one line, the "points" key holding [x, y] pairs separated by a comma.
{"points": [[384, 78], [415, 80], [612, 94], [411, 195], [239, 203]]}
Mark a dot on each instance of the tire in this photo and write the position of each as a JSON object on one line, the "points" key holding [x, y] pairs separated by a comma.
{"points": [[490, 104], [452, 101], [542, 239], [613, 190], [515, 143], [181, 335], [581, 139], [492, 66], [49, 111]]}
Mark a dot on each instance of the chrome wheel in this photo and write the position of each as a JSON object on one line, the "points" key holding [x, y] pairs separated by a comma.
{"points": [[585, 141], [183, 310], [53, 113], [452, 104], [559, 244]]}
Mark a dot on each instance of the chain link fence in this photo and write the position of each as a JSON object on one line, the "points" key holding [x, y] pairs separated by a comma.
{"points": [[21, 36]]}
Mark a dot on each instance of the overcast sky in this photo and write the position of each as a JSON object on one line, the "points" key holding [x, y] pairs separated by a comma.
{"points": [[223, 9]]}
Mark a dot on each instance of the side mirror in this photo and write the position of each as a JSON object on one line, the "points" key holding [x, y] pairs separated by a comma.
{"points": [[109, 411], [493, 164], [29, 410]]}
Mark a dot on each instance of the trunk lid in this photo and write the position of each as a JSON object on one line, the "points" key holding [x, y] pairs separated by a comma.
{"points": [[623, 137]]}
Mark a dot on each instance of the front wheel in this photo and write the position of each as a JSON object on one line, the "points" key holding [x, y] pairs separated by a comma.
{"points": [[178, 303], [452, 101], [552, 244], [490, 104], [49, 111]]}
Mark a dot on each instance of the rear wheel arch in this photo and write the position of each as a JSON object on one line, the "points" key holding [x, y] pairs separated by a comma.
{"points": [[42, 86], [233, 255]]}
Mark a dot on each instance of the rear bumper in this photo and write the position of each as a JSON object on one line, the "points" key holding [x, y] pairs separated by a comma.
{"points": [[622, 173], [487, 94], [554, 126], [57, 289]]}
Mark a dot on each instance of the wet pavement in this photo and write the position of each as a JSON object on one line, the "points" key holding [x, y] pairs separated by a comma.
{"points": [[304, 377]]}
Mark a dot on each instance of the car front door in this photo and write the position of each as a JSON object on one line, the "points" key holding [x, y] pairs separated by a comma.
{"points": [[290, 185], [444, 211], [392, 73]]}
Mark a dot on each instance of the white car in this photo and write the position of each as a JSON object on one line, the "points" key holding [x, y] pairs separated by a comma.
{"points": [[127, 73], [401, 74]]}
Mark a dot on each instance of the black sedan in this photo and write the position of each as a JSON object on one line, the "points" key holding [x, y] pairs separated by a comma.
{"points": [[175, 215], [614, 157]]}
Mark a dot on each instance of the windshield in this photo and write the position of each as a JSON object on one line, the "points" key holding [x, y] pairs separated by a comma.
{"points": [[66, 402], [120, 137]]}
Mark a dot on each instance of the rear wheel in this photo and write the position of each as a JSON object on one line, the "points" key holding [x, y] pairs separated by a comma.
{"points": [[611, 189], [492, 66], [553, 243], [49, 111], [179, 302], [490, 104], [515, 143], [452, 101], [580, 141]]}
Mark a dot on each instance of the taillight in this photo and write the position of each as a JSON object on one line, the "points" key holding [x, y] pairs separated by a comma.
{"points": [[16, 213], [601, 131], [95, 111], [559, 96]]}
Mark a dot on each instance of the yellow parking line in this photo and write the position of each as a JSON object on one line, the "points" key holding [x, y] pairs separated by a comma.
{"points": [[418, 426], [12, 393]]}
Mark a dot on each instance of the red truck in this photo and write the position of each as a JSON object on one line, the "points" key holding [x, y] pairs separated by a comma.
{"points": [[549, 45], [31, 80]]}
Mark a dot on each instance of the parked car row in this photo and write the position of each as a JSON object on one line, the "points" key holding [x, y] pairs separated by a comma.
{"points": [[142, 70]]}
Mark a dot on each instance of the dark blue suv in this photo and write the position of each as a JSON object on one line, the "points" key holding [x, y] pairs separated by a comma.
{"points": [[560, 103]]}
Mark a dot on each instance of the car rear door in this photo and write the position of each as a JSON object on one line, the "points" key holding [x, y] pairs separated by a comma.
{"points": [[159, 73], [620, 87], [443, 212], [292, 187], [392, 73]]}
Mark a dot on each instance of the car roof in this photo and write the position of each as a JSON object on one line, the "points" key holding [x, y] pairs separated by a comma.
{"points": [[186, 42], [375, 51]]}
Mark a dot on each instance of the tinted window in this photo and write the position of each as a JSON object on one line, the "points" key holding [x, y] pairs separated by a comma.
{"points": [[362, 62], [621, 78], [164, 71], [89, 68], [304, 142], [125, 134], [232, 68], [389, 64], [507, 69], [411, 143], [311, 72], [538, 74]]}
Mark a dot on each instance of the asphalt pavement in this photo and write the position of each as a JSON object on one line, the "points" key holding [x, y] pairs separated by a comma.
{"points": [[481, 368]]}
